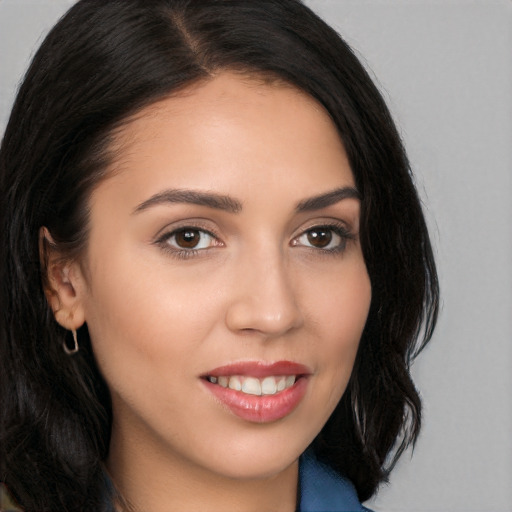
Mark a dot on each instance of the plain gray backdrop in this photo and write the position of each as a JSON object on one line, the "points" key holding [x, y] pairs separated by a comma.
{"points": [[445, 68]]}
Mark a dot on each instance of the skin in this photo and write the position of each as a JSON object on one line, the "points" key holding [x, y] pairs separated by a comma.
{"points": [[260, 288]]}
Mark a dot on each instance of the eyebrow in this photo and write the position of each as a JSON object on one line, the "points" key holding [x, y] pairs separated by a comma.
{"points": [[231, 205], [209, 199], [327, 199]]}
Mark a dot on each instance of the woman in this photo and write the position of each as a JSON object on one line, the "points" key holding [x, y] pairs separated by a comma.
{"points": [[217, 268]]}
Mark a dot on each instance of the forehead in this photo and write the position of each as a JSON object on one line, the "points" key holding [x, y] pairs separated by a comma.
{"points": [[230, 131]]}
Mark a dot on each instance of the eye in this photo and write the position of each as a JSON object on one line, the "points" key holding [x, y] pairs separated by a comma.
{"points": [[187, 241], [332, 238], [190, 238]]}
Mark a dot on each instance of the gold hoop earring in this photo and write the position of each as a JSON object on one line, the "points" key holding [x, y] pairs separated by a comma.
{"points": [[75, 348]]}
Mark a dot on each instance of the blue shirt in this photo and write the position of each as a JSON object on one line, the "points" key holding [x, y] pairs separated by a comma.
{"points": [[323, 490]]}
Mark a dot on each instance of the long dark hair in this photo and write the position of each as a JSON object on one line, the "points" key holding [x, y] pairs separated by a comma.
{"points": [[103, 62]]}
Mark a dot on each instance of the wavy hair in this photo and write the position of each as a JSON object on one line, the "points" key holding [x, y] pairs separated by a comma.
{"points": [[102, 63]]}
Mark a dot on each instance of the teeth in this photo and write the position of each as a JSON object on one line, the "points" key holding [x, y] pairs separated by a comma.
{"points": [[253, 386], [234, 383], [289, 381], [268, 386]]}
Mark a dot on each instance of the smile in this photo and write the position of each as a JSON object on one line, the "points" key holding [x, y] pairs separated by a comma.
{"points": [[257, 391], [254, 386]]}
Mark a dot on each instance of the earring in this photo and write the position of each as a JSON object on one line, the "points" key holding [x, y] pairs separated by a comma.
{"points": [[75, 348]]}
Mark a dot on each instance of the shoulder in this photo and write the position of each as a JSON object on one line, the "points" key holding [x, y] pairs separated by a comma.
{"points": [[323, 490]]}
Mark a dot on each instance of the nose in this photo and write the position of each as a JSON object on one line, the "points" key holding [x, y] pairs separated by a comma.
{"points": [[264, 299]]}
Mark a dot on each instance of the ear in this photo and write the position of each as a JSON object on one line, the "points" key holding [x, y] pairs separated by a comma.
{"points": [[63, 283]]}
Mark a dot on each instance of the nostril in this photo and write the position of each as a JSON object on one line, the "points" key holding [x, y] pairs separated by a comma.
{"points": [[264, 300], [248, 319]]}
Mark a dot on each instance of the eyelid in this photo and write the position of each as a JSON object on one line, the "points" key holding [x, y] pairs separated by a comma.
{"points": [[337, 224], [339, 227], [192, 223], [164, 234]]}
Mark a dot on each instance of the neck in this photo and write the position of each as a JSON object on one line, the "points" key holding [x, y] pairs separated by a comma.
{"points": [[149, 479]]}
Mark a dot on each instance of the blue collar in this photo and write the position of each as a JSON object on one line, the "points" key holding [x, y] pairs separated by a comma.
{"points": [[323, 490]]}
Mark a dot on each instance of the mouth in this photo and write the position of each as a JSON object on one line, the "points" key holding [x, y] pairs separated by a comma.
{"points": [[257, 391], [254, 386]]}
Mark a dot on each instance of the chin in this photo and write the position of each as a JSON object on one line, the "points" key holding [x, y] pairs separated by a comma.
{"points": [[257, 459]]}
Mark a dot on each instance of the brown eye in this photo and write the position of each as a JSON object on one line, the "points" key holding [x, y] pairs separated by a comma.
{"points": [[188, 238], [320, 238], [330, 239]]}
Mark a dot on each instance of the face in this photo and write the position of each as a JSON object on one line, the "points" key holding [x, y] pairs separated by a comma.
{"points": [[224, 286]]}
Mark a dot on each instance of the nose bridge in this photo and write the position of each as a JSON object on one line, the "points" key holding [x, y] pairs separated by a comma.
{"points": [[264, 296]]}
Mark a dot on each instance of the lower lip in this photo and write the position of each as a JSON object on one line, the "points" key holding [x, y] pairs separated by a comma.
{"points": [[260, 409]]}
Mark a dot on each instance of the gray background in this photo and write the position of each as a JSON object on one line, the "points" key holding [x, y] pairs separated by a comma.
{"points": [[445, 68]]}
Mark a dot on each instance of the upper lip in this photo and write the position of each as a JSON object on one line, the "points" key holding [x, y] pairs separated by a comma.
{"points": [[259, 369]]}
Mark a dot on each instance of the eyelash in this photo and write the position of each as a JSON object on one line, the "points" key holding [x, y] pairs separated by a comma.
{"points": [[338, 229], [163, 242], [335, 228]]}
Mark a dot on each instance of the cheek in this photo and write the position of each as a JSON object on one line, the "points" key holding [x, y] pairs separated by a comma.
{"points": [[341, 313], [148, 339], [139, 322]]}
